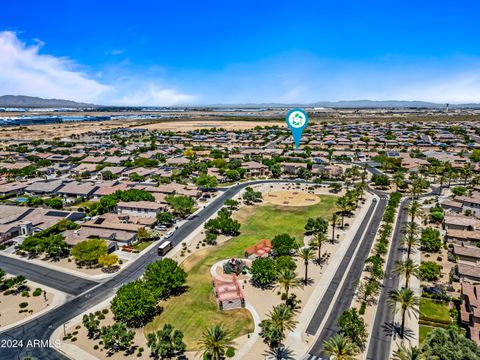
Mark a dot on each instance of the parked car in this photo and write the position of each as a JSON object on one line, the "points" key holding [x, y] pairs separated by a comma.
{"points": [[161, 228], [168, 235]]}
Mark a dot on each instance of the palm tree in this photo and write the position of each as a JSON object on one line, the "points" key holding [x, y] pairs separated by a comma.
{"points": [[282, 318], [404, 353], [334, 225], [411, 242], [287, 279], [408, 304], [280, 353], [215, 340], [344, 205], [318, 240], [339, 348], [306, 254], [414, 210], [399, 179], [406, 268]]}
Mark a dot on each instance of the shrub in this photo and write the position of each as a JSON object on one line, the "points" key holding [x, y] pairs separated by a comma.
{"points": [[363, 307], [23, 305], [230, 353], [105, 311], [25, 294]]}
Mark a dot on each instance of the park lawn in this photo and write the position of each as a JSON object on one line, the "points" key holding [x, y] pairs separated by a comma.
{"points": [[196, 309], [434, 310], [424, 330]]}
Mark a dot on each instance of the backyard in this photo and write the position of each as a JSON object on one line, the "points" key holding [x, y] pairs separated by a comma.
{"points": [[196, 309], [433, 314]]}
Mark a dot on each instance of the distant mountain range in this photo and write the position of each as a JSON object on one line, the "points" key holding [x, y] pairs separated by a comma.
{"points": [[21, 101], [354, 104]]}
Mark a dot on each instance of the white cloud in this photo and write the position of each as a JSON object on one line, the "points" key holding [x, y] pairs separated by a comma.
{"points": [[151, 94], [24, 71]]}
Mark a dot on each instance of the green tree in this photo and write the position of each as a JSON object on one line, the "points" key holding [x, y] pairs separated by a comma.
{"points": [[231, 204], [283, 244], [165, 278], [166, 343], [205, 181], [449, 344], [317, 241], [54, 203], [263, 271], [280, 353], [165, 217], [317, 225], [278, 322], [181, 204], [117, 337], [134, 304], [287, 279], [429, 270], [339, 348], [54, 246], [89, 251], [250, 196], [345, 207], [215, 341], [406, 268], [306, 254], [408, 304], [430, 240], [411, 353], [91, 323], [381, 180], [353, 327]]}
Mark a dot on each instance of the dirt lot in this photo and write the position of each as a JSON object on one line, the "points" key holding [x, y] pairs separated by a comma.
{"points": [[291, 198], [10, 305], [50, 131]]}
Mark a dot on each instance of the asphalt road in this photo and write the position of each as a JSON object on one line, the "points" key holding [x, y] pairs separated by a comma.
{"points": [[347, 291], [42, 327], [381, 337], [67, 283]]}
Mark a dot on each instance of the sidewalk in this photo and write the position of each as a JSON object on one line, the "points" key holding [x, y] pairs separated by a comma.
{"points": [[298, 340]]}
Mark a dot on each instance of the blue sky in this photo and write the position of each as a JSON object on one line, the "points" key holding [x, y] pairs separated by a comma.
{"points": [[192, 52]]}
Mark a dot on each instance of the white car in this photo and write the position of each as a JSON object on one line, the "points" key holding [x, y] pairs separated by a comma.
{"points": [[168, 235]]}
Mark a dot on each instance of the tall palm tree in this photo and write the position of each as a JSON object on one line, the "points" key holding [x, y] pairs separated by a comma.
{"points": [[408, 304], [399, 179], [414, 210], [345, 206], [404, 353], [282, 318], [410, 242], [287, 279], [334, 225], [306, 254], [406, 268], [280, 353], [215, 340], [339, 348], [318, 240]]}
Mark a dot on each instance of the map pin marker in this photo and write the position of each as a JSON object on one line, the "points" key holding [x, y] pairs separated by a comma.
{"points": [[297, 120]]}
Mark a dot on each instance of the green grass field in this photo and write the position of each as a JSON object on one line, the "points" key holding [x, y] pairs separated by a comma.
{"points": [[196, 309], [434, 310], [424, 330]]}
